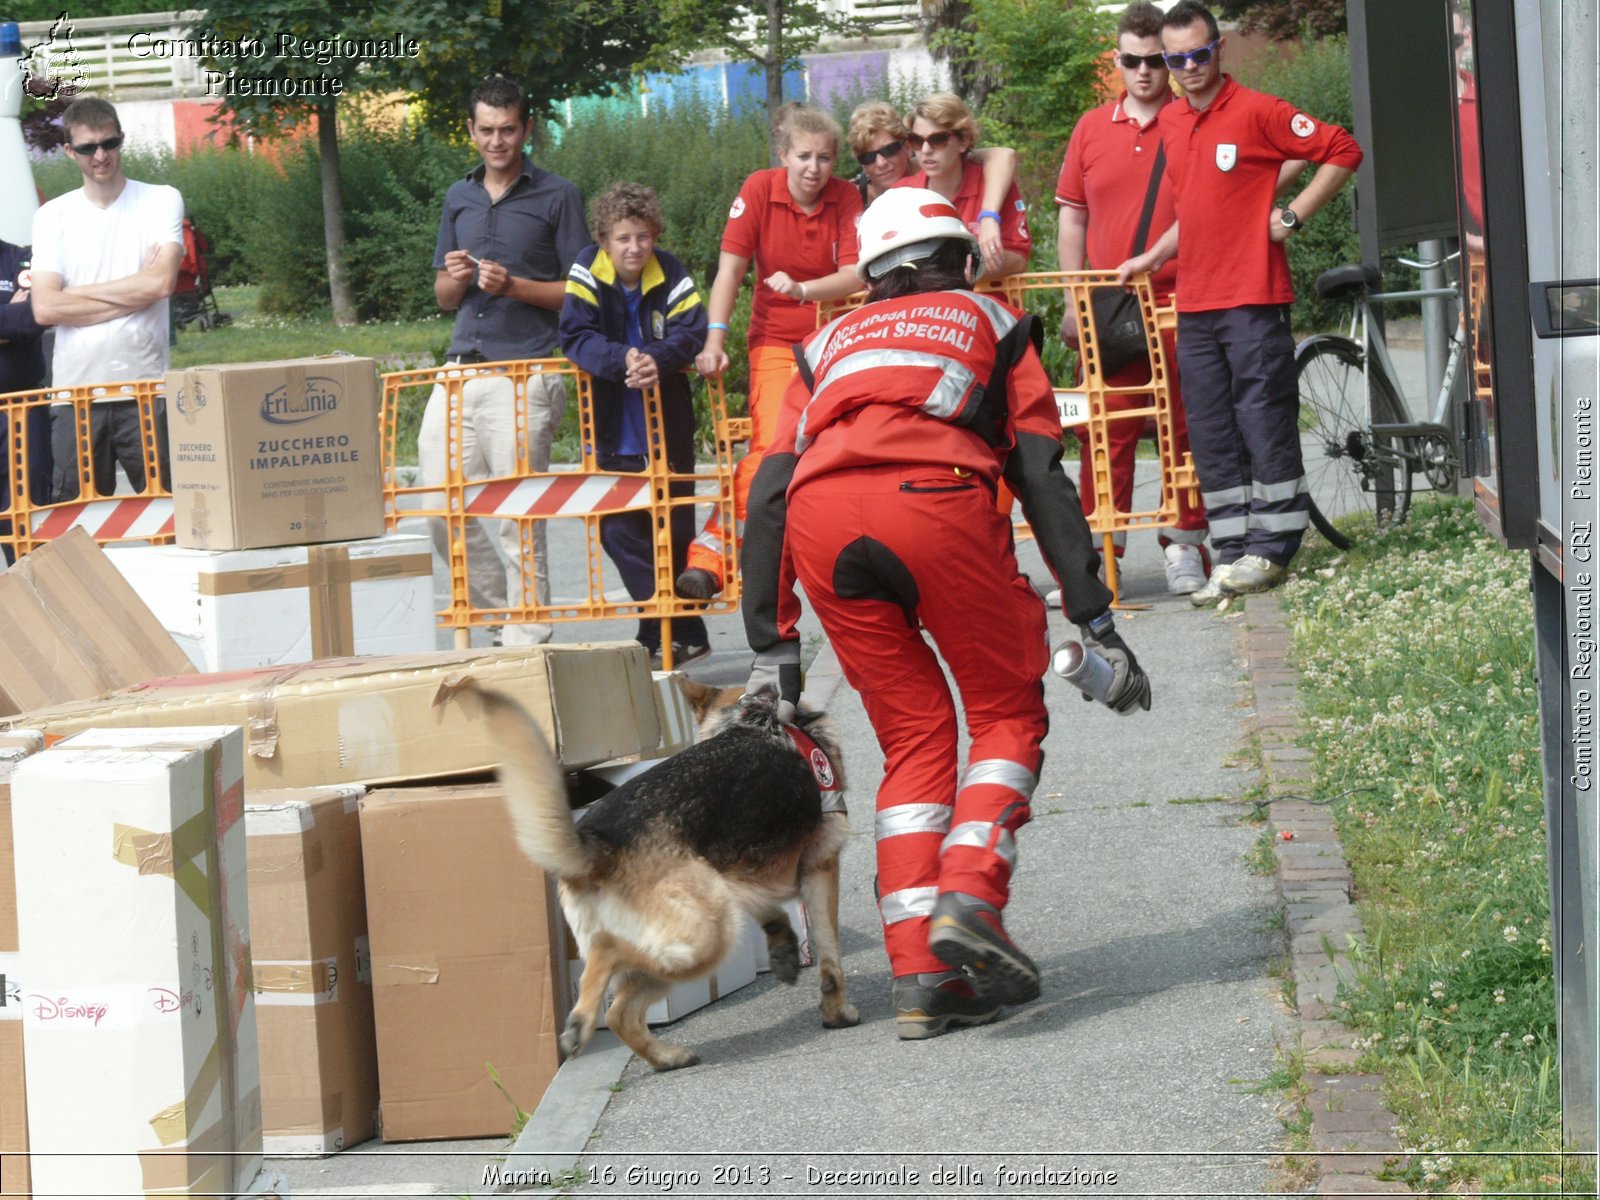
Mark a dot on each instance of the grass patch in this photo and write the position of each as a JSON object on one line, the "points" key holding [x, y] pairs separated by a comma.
{"points": [[1415, 651], [1203, 800]]}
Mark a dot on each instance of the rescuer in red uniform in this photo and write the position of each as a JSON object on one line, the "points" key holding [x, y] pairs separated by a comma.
{"points": [[904, 417]]}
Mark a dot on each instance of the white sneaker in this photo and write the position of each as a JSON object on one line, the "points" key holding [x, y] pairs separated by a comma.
{"points": [[1186, 569], [1052, 598], [1215, 589], [1253, 573]]}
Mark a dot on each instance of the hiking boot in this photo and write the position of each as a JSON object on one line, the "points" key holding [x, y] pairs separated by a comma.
{"points": [[1252, 573], [966, 933], [930, 1004], [697, 583], [1215, 590], [1186, 569]]}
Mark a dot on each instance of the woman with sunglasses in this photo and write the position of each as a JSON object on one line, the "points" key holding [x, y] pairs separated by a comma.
{"points": [[878, 139], [797, 221], [942, 135]]}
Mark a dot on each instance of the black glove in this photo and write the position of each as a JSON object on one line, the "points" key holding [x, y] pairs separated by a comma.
{"points": [[1130, 687], [778, 671]]}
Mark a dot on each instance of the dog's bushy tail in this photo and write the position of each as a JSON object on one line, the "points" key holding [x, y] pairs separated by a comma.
{"points": [[536, 792]]}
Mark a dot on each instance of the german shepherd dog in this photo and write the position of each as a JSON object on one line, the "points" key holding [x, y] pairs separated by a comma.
{"points": [[658, 874]]}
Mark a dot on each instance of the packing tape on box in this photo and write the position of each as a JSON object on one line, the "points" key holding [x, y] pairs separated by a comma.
{"points": [[315, 981], [174, 1169], [362, 570], [333, 632], [278, 820], [392, 972]]}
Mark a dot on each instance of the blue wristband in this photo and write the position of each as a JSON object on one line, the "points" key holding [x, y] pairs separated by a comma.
{"points": [[989, 212], [717, 325]]}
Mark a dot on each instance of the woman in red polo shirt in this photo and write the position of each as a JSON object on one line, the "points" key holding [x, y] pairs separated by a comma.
{"points": [[943, 134], [798, 222]]}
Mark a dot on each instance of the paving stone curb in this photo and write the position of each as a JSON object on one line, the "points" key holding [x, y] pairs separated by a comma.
{"points": [[1352, 1131]]}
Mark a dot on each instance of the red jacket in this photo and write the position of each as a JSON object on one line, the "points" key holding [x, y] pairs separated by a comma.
{"points": [[952, 379]]}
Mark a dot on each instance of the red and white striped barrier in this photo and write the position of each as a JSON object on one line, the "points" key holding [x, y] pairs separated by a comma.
{"points": [[557, 495], [107, 520]]}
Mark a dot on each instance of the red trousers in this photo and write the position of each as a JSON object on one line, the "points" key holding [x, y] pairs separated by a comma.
{"points": [[880, 550], [1123, 440]]}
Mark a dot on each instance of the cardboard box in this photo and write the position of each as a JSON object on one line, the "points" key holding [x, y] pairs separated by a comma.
{"points": [[234, 609], [133, 917], [275, 453], [738, 969], [312, 969], [373, 720], [462, 928], [74, 629], [15, 1179], [678, 731]]}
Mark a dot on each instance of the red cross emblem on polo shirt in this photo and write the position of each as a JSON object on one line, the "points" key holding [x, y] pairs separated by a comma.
{"points": [[1302, 125]]}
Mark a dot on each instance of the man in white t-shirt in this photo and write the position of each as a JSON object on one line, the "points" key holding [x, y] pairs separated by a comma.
{"points": [[105, 259]]}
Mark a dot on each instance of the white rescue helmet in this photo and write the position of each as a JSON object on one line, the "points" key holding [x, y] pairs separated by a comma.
{"points": [[906, 225]]}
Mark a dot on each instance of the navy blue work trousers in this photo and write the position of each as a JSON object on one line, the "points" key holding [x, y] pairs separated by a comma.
{"points": [[1236, 368], [629, 539]]}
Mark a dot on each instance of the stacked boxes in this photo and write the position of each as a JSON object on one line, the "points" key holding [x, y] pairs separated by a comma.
{"points": [[132, 909], [235, 609], [14, 1172], [312, 969]]}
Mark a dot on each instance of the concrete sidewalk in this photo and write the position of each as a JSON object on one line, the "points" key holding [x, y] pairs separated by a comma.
{"points": [[1159, 1014]]}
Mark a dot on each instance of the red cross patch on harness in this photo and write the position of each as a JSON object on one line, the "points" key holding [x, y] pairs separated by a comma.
{"points": [[1302, 125], [821, 768]]}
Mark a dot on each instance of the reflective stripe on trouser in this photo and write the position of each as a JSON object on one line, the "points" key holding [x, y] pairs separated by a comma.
{"points": [[1122, 439], [939, 829], [771, 368], [1237, 366], [489, 451]]}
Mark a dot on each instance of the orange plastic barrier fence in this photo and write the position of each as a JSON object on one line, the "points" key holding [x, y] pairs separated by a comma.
{"points": [[1084, 403], [530, 497], [145, 515]]}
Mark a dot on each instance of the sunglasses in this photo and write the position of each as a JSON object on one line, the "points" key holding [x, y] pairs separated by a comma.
{"points": [[1156, 62], [867, 157], [1197, 58], [87, 149], [937, 141]]}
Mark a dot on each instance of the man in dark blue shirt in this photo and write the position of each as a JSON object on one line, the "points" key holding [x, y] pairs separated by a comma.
{"points": [[21, 369], [507, 236]]}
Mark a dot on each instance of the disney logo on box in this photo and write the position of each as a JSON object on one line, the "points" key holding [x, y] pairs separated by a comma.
{"points": [[321, 396], [62, 1008], [166, 1000]]}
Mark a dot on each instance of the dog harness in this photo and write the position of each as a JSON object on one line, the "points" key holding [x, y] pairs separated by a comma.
{"points": [[821, 768]]}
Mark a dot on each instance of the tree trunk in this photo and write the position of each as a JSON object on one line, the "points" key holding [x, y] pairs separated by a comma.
{"points": [[774, 67], [344, 305]]}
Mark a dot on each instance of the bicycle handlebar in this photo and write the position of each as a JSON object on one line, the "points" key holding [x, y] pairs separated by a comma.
{"points": [[1418, 264]]}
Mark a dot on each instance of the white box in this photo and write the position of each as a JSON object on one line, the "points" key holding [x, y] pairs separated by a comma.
{"points": [[139, 1021], [796, 910], [235, 609], [738, 969]]}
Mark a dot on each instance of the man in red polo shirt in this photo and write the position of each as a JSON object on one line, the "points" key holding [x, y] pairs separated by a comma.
{"points": [[1225, 147], [1101, 193]]}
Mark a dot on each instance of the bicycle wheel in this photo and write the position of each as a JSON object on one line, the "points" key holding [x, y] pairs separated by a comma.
{"points": [[1347, 469], [1331, 533]]}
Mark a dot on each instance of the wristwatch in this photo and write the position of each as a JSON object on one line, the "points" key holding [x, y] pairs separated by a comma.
{"points": [[1289, 218]]}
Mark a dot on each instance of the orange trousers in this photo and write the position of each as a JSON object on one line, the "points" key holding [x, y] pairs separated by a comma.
{"points": [[771, 368]]}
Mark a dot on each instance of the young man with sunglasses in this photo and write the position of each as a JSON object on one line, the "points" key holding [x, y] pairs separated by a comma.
{"points": [[1113, 170], [105, 260], [1226, 146]]}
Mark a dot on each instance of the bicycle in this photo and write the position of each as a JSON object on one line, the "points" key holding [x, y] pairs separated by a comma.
{"points": [[1360, 445]]}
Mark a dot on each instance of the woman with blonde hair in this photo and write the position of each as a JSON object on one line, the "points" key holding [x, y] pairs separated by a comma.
{"points": [[797, 221], [879, 140], [942, 133]]}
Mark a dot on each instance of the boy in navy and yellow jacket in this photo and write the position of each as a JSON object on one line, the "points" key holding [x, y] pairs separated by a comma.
{"points": [[633, 319]]}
